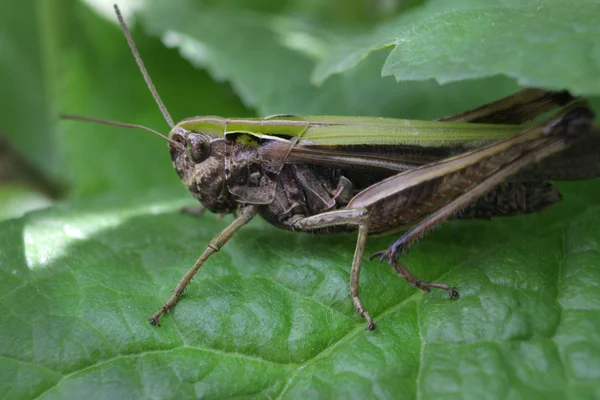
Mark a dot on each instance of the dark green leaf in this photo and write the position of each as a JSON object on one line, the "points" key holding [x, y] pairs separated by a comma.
{"points": [[268, 59], [542, 43], [269, 316], [25, 112]]}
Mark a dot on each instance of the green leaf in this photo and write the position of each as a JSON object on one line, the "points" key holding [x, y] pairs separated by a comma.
{"points": [[16, 200], [25, 113], [268, 58], [543, 43], [269, 315]]}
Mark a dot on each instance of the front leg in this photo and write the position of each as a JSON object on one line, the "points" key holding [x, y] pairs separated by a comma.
{"points": [[359, 217], [246, 214]]}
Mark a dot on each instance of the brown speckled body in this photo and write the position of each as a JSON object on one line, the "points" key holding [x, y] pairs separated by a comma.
{"points": [[297, 191], [241, 169], [416, 202]]}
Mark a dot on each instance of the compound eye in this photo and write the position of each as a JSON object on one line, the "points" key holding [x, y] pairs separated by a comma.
{"points": [[178, 137], [198, 147]]}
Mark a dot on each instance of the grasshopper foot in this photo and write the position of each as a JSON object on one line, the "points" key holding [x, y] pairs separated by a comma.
{"points": [[370, 324], [156, 316], [362, 312], [391, 255], [412, 280]]}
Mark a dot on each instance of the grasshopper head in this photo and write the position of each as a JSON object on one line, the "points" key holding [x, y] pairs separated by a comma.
{"points": [[199, 160]]}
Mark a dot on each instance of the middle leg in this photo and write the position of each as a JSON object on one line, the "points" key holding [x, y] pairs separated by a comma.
{"points": [[359, 217]]}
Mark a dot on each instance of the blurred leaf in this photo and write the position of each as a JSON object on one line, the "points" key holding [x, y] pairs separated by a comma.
{"points": [[543, 43], [61, 57], [25, 113], [269, 315], [23, 187], [263, 56], [101, 79], [16, 200]]}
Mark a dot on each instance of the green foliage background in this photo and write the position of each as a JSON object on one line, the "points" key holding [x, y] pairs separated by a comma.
{"points": [[269, 316]]}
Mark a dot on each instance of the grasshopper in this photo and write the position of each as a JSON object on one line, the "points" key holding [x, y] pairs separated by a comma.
{"points": [[376, 176]]}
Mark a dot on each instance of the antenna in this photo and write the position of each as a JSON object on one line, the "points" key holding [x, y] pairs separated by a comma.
{"points": [[143, 70], [121, 124]]}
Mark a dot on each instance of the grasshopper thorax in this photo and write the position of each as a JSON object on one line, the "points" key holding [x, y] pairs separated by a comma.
{"points": [[199, 160]]}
